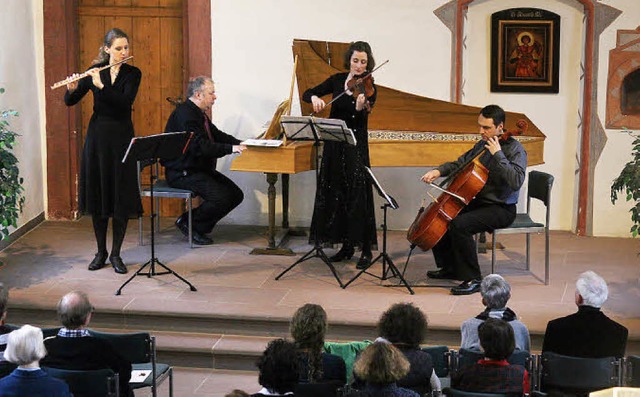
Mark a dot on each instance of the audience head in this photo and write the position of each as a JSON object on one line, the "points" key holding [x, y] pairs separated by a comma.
{"points": [[4, 299], [237, 393], [25, 346], [591, 290], [495, 291], [74, 310], [403, 324], [496, 338], [381, 363], [278, 367], [309, 326]]}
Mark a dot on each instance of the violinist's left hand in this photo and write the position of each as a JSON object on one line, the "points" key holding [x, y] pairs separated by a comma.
{"points": [[493, 145], [360, 101]]}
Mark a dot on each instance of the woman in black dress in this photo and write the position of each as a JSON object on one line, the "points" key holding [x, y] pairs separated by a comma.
{"points": [[108, 188], [343, 211]]}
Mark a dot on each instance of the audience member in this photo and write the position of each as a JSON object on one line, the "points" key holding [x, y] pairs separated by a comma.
{"points": [[278, 367], [74, 348], [308, 328], [493, 374], [25, 349], [495, 292], [5, 367], [381, 366], [237, 393], [405, 326], [588, 332]]}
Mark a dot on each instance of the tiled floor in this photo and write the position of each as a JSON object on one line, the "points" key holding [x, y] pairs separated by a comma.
{"points": [[51, 260]]}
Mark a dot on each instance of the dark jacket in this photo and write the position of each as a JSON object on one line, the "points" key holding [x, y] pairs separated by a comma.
{"points": [[201, 153], [33, 384], [587, 333]]}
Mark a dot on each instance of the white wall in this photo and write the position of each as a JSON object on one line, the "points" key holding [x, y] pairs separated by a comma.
{"points": [[612, 220], [252, 63], [22, 75]]}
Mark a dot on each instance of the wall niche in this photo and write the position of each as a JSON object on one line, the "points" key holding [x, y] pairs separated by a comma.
{"points": [[623, 84]]}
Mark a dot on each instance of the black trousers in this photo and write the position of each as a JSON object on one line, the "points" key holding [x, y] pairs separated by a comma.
{"points": [[456, 252], [220, 196]]}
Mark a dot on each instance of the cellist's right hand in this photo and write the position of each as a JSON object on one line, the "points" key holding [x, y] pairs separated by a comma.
{"points": [[318, 104], [431, 176]]}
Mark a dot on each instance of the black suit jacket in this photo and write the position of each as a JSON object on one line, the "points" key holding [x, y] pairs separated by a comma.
{"points": [[201, 154], [587, 333]]}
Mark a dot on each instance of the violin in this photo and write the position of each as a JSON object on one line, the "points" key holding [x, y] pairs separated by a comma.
{"points": [[362, 85]]}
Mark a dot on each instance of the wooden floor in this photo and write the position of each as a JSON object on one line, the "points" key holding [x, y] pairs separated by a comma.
{"points": [[236, 286]]}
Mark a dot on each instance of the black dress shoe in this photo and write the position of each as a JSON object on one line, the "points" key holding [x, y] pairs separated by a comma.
{"points": [[118, 264], [99, 261], [467, 287], [201, 239], [346, 252], [364, 262], [183, 225], [441, 274]]}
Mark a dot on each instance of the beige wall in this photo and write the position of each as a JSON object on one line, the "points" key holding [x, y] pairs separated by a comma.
{"points": [[21, 74]]}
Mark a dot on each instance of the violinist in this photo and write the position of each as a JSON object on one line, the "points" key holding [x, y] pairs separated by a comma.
{"points": [[344, 209], [493, 207]]}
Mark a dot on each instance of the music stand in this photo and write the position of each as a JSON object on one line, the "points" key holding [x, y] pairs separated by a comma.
{"points": [[150, 149], [307, 128], [390, 202]]}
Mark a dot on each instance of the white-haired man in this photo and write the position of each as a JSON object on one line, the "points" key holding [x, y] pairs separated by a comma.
{"points": [[495, 292], [587, 333]]}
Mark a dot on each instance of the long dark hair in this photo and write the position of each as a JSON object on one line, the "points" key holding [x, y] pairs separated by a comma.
{"points": [[360, 46], [308, 328], [111, 35]]}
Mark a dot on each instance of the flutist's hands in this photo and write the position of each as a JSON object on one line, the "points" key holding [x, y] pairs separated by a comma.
{"points": [[318, 104], [239, 148], [95, 77], [74, 84], [430, 176]]}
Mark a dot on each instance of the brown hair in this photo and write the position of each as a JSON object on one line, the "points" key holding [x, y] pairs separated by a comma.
{"points": [[109, 38], [360, 46], [308, 328], [381, 363]]}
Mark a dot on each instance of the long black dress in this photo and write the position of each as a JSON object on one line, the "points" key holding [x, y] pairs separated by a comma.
{"points": [[109, 188], [344, 208]]}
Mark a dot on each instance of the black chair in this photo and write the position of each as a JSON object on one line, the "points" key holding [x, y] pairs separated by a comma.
{"points": [[440, 358], [161, 189], [448, 391], [139, 348], [539, 187], [465, 357], [49, 332], [578, 375], [94, 383], [632, 378]]}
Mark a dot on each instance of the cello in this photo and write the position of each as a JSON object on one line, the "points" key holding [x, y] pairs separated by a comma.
{"points": [[431, 223]]}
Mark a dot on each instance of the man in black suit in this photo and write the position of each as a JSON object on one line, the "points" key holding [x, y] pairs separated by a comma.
{"points": [[195, 169], [74, 348], [587, 333]]}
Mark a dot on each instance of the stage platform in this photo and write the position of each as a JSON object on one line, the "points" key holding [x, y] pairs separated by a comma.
{"points": [[239, 306]]}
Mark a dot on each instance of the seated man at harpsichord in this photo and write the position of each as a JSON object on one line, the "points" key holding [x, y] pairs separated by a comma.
{"points": [[493, 207], [195, 169]]}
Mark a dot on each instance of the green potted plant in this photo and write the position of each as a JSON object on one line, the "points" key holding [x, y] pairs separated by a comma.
{"points": [[11, 189], [628, 182]]}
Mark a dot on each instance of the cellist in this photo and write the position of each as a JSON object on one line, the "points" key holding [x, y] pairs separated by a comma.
{"points": [[493, 207]]}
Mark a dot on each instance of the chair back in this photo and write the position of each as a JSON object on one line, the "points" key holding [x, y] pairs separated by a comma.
{"points": [[576, 374], [89, 383], [539, 187], [49, 332], [440, 358], [135, 347], [633, 371], [448, 391]]}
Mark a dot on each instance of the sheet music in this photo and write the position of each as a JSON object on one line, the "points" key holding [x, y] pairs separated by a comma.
{"points": [[298, 128], [262, 142], [139, 375], [135, 138], [381, 191]]}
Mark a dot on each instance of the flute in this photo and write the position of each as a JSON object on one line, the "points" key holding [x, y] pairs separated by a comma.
{"points": [[85, 74]]}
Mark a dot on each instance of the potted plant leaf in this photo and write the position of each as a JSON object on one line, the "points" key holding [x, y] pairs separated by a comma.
{"points": [[628, 183]]}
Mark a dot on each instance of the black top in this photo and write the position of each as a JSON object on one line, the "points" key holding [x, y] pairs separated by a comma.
{"points": [[344, 208], [587, 333], [507, 171], [86, 353], [201, 153], [334, 376], [107, 187]]}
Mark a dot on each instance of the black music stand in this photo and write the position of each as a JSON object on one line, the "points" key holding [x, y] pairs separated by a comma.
{"points": [[150, 149], [307, 128], [390, 202]]}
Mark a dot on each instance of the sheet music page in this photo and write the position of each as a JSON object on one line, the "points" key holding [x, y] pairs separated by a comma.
{"points": [[262, 142], [139, 375], [381, 191]]}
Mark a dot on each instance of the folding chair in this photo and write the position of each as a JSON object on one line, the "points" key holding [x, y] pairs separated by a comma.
{"points": [[89, 383], [440, 357], [161, 189], [578, 375], [139, 348], [539, 187]]}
